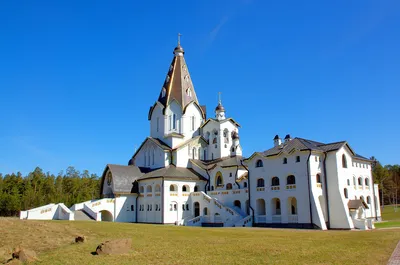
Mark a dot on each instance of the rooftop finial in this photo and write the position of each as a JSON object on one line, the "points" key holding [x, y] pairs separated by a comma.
{"points": [[179, 39], [219, 98]]}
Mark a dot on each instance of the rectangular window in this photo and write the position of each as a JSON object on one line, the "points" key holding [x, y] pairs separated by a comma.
{"points": [[193, 122], [158, 123], [170, 122], [132, 209], [174, 122], [297, 159]]}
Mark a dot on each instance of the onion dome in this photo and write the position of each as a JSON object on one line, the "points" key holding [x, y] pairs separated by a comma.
{"points": [[287, 136], [179, 49], [220, 107], [235, 135], [276, 137]]}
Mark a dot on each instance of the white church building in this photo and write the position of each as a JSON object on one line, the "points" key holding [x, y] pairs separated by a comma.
{"points": [[190, 171]]}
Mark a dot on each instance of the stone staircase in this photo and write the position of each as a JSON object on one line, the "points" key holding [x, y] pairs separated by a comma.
{"points": [[82, 216]]}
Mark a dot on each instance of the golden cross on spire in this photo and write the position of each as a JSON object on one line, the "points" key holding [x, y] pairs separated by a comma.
{"points": [[179, 39]]}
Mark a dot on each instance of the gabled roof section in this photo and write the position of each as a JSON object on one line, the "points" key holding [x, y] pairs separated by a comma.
{"points": [[199, 137], [123, 177], [157, 141], [215, 120], [229, 161], [173, 172], [304, 144], [178, 84]]}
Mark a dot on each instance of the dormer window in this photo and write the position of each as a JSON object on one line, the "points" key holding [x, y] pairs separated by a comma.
{"points": [[189, 92], [164, 91]]}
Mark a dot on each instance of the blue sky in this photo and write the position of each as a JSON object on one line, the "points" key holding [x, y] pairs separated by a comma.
{"points": [[77, 78]]}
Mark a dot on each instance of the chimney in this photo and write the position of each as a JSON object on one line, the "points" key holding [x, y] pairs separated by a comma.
{"points": [[287, 138], [277, 140]]}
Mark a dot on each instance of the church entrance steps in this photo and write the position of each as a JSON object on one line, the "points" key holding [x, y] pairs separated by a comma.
{"points": [[80, 215], [213, 211]]}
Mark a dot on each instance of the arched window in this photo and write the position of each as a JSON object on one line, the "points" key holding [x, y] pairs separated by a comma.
{"points": [[212, 187], [196, 188], [172, 187], [141, 189], [348, 182], [346, 195], [245, 185], [237, 204], [149, 188], [276, 206], [185, 188], [368, 199], [293, 206], [174, 121], [259, 163], [275, 181], [260, 183], [218, 179], [205, 211], [204, 154], [367, 182], [360, 182], [284, 160], [187, 207], [290, 180], [229, 186], [260, 207], [318, 178], [344, 161], [194, 152], [157, 189], [183, 207], [226, 136]]}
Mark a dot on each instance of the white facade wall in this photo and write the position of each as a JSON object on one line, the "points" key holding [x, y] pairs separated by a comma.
{"points": [[173, 214], [149, 205], [157, 122], [220, 148], [274, 167]]}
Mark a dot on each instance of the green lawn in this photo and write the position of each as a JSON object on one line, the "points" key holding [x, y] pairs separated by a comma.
{"points": [[157, 244], [390, 217]]}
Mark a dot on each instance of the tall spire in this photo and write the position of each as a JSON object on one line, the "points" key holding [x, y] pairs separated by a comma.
{"points": [[178, 85]]}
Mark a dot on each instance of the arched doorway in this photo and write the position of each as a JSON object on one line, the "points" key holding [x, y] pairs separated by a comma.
{"points": [[237, 204], [106, 216], [196, 207]]}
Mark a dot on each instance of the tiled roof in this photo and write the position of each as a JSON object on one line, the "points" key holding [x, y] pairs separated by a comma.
{"points": [[173, 172], [302, 144], [355, 204], [223, 162], [123, 177]]}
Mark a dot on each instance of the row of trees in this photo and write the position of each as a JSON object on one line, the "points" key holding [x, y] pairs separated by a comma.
{"points": [[19, 192], [388, 178]]}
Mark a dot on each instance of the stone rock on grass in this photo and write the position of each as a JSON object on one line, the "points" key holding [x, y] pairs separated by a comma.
{"points": [[24, 255], [80, 239], [5, 254], [118, 246], [14, 262]]}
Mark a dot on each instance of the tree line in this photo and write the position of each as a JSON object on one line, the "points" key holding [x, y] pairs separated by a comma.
{"points": [[19, 193], [388, 178]]}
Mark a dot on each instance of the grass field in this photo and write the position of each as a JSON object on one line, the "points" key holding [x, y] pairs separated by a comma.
{"points": [[390, 217], [156, 244]]}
